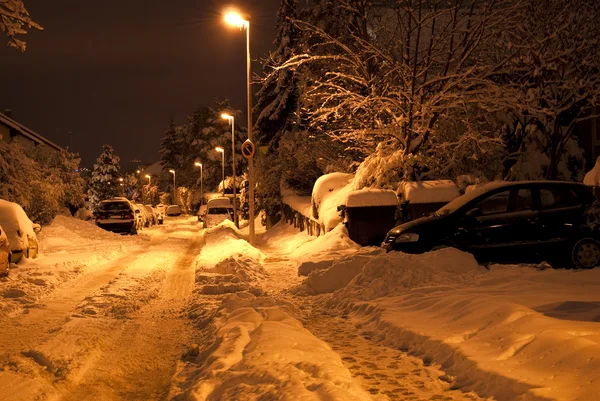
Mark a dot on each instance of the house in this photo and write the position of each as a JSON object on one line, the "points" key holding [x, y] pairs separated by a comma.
{"points": [[10, 130]]}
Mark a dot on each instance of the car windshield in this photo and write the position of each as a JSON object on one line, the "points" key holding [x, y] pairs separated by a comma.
{"points": [[218, 210], [459, 202], [114, 206]]}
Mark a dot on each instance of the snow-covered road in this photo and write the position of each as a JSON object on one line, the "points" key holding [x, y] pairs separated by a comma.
{"points": [[181, 313]]}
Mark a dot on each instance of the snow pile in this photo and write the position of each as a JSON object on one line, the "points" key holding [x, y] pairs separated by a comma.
{"points": [[394, 273], [329, 192], [258, 350], [328, 276], [333, 244], [69, 233], [228, 263], [592, 177], [436, 191], [371, 197]]}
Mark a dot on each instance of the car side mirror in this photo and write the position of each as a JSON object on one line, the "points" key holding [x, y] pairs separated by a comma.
{"points": [[37, 228], [473, 213]]}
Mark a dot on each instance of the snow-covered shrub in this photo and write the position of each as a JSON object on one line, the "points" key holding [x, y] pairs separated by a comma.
{"points": [[105, 174]]}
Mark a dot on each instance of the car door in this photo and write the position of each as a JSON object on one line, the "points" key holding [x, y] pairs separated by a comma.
{"points": [[561, 214], [505, 224]]}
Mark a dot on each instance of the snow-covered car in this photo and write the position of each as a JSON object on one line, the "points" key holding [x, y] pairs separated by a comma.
{"points": [[201, 213], [517, 221], [217, 211], [117, 215], [146, 217], [160, 213], [19, 230], [4, 253], [152, 214], [173, 210]]}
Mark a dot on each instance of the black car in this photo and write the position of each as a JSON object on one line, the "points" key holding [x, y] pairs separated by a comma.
{"points": [[117, 215], [511, 221]]}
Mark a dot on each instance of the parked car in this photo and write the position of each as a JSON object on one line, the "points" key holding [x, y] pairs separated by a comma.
{"points": [[146, 217], [20, 231], [217, 211], [160, 213], [152, 214], [4, 253], [117, 215], [173, 210], [511, 221]]}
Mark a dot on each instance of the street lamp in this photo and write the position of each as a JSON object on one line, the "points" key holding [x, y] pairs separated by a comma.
{"points": [[149, 178], [235, 19], [222, 152], [198, 164], [174, 193], [231, 119]]}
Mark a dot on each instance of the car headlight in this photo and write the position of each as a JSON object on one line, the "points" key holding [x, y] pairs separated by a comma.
{"points": [[407, 237]]}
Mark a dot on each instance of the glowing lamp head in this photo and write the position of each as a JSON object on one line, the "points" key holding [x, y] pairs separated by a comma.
{"points": [[219, 149], [138, 171], [147, 176], [235, 19], [198, 164], [172, 171], [226, 116]]}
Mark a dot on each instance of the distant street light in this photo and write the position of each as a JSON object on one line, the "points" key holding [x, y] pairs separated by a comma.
{"points": [[138, 171], [243, 22], [222, 152], [174, 193], [231, 120], [198, 164], [149, 178]]}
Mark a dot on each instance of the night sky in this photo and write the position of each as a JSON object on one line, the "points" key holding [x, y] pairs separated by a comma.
{"points": [[114, 71]]}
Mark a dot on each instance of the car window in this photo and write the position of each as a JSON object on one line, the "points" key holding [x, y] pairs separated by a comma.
{"points": [[523, 201], [112, 206], [497, 203], [556, 198], [218, 210]]}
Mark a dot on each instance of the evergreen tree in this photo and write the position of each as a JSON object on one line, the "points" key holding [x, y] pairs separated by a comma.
{"points": [[276, 106], [105, 176]]}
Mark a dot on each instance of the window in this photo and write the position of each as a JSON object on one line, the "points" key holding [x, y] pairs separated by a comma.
{"points": [[556, 198], [497, 203], [114, 206], [523, 201], [218, 210]]}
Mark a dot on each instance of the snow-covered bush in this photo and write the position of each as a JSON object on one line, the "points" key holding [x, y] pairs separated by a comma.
{"points": [[105, 174]]}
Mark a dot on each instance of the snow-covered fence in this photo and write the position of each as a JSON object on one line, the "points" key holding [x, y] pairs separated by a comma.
{"points": [[296, 211]]}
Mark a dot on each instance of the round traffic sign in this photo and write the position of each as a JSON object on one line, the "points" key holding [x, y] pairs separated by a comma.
{"points": [[248, 149]]}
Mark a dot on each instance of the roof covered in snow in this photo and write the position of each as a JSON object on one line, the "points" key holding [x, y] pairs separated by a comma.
{"points": [[436, 191], [371, 197]]}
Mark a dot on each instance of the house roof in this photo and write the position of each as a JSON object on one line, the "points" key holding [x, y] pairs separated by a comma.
{"points": [[26, 132]]}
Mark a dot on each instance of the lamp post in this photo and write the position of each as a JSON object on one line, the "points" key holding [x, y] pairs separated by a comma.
{"points": [[149, 178], [148, 192], [198, 164], [174, 188], [231, 119], [222, 152], [235, 19]]}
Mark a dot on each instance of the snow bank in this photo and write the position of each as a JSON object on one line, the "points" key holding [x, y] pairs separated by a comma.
{"points": [[228, 263], [330, 191], [259, 350], [333, 244], [437, 191], [371, 197], [511, 332]]}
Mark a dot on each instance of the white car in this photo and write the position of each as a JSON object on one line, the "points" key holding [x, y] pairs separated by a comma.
{"points": [[173, 210], [19, 230], [217, 211], [160, 213]]}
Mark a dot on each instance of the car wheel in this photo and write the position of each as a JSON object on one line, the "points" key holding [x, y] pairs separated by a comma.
{"points": [[586, 253]]}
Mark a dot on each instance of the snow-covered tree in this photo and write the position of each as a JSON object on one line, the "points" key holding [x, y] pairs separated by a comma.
{"points": [[397, 70], [14, 19], [551, 81], [105, 177], [276, 104]]}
